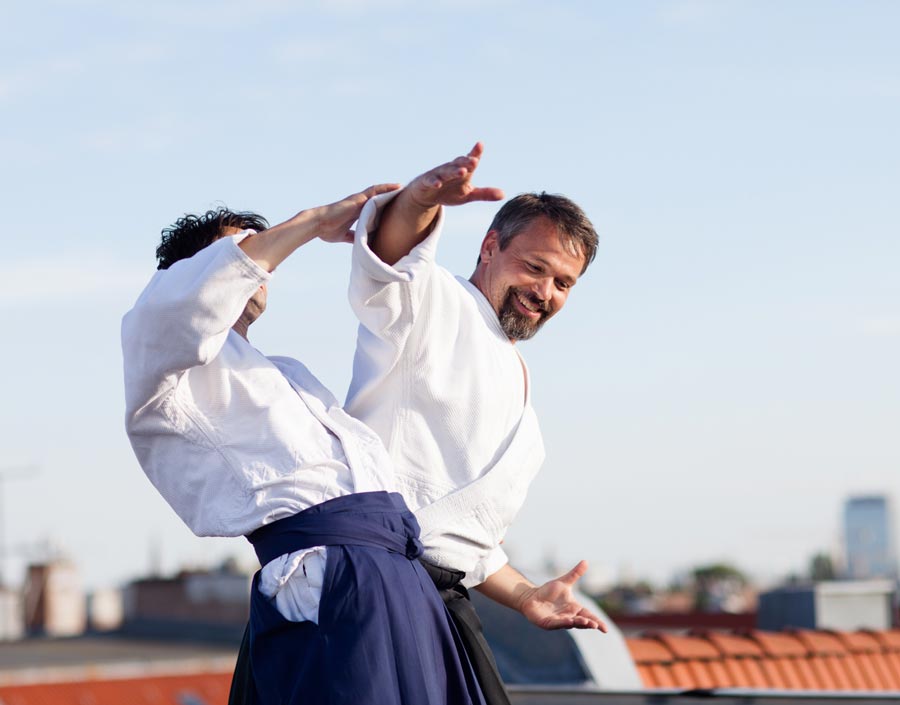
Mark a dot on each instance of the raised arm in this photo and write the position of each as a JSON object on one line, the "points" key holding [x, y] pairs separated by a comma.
{"points": [[183, 316], [408, 218], [330, 223]]}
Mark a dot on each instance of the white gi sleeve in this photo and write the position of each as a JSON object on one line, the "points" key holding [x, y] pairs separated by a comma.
{"points": [[182, 318], [486, 567], [386, 298]]}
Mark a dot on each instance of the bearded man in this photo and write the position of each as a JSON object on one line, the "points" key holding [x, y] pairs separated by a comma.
{"points": [[438, 376]]}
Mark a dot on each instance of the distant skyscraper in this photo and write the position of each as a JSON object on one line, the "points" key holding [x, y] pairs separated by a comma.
{"points": [[869, 538]]}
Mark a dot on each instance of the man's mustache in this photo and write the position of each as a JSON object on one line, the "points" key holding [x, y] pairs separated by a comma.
{"points": [[533, 299]]}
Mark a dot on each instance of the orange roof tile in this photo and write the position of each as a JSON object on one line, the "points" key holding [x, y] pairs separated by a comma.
{"points": [[207, 688], [649, 651], [889, 640], [858, 642], [687, 647], [777, 644], [808, 660], [803, 659], [730, 644], [746, 672], [820, 643]]}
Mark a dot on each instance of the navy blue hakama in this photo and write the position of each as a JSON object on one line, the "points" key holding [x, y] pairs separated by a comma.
{"points": [[384, 635]]}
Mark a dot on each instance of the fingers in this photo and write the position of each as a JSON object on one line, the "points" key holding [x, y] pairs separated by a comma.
{"points": [[582, 623], [459, 168], [571, 623], [446, 173], [452, 173], [486, 193], [378, 189], [576, 622], [592, 621]]}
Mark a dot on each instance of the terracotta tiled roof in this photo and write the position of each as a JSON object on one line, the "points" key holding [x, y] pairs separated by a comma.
{"points": [[197, 689], [797, 660], [807, 660]]}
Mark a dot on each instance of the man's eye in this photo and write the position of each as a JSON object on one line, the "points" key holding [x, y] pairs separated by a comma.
{"points": [[533, 268], [561, 285]]}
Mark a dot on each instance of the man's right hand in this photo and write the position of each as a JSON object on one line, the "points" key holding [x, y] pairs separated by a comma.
{"points": [[409, 218], [450, 184]]}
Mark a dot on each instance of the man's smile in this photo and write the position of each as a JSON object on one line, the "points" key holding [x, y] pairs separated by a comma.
{"points": [[531, 307]]}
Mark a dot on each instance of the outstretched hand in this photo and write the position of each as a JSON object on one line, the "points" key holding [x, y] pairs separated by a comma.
{"points": [[552, 605], [335, 219], [450, 184]]}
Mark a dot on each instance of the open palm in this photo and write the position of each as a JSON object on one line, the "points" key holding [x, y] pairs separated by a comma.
{"points": [[553, 605]]}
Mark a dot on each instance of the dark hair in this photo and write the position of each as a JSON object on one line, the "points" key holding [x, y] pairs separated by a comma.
{"points": [[573, 225], [191, 233]]}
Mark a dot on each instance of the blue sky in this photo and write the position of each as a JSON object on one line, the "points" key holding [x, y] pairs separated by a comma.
{"points": [[723, 375]]}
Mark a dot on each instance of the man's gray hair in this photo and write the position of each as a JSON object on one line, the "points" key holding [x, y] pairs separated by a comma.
{"points": [[575, 230]]}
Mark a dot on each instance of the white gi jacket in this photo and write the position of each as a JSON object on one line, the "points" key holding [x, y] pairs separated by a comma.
{"points": [[438, 380], [232, 439]]}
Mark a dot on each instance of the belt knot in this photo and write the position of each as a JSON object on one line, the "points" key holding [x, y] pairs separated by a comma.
{"points": [[414, 548]]}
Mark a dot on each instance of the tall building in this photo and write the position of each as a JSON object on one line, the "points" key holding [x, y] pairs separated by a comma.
{"points": [[869, 538]]}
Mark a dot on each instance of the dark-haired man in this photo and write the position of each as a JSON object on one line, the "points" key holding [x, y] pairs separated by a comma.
{"points": [[242, 444], [437, 376]]}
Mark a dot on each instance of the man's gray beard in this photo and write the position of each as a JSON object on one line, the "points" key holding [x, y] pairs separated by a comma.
{"points": [[514, 324]]}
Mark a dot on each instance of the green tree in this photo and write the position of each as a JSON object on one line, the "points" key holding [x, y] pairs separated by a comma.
{"points": [[714, 583], [821, 567]]}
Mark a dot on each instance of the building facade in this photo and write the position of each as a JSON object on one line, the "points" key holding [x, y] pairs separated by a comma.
{"points": [[869, 538]]}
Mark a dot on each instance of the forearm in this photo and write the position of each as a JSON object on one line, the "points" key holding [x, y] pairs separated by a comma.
{"points": [[508, 587], [271, 247], [404, 223]]}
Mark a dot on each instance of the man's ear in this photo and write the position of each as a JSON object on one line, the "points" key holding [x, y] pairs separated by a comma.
{"points": [[489, 246]]}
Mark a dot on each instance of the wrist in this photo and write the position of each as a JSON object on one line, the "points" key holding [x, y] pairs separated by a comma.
{"points": [[522, 596], [309, 224], [415, 205]]}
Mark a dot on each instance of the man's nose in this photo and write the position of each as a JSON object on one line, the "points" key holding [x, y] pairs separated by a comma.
{"points": [[543, 288]]}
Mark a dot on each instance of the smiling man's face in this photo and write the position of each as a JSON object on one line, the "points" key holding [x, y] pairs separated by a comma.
{"points": [[530, 280]]}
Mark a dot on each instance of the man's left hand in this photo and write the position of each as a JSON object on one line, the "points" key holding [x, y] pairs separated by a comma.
{"points": [[552, 605]]}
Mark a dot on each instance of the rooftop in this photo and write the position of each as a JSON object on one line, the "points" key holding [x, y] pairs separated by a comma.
{"points": [[728, 666], [794, 660]]}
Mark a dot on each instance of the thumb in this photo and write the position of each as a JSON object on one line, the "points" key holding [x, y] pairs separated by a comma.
{"points": [[573, 575], [485, 193]]}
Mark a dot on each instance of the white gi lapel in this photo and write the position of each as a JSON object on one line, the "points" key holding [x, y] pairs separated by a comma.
{"points": [[481, 512]]}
